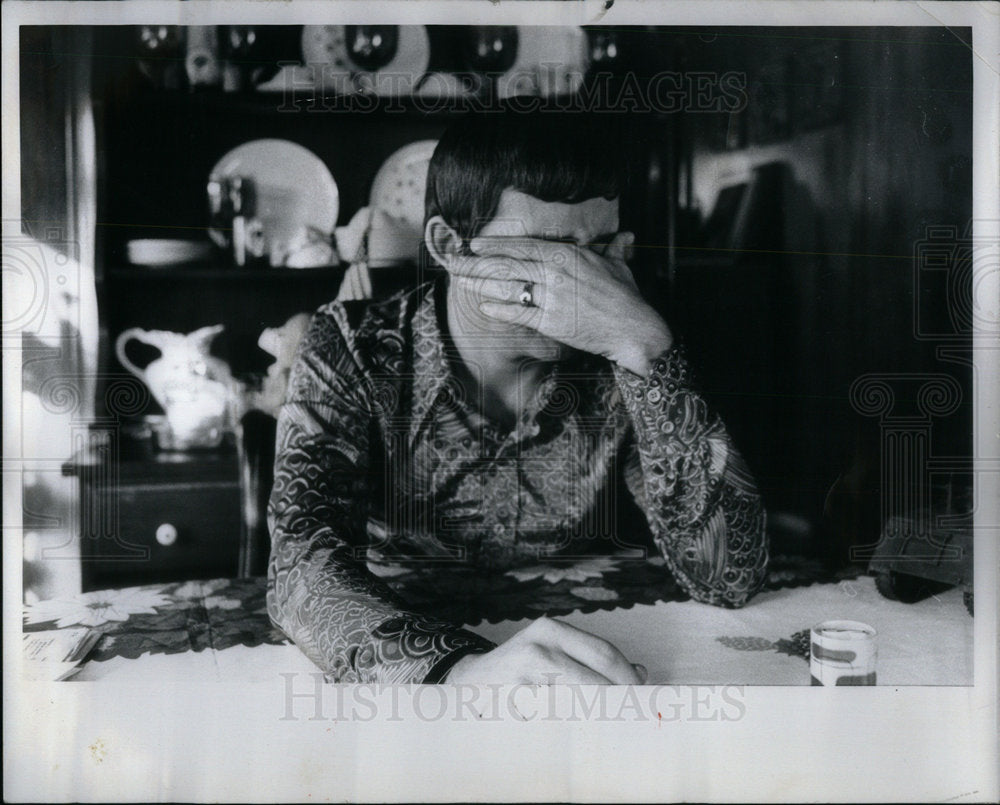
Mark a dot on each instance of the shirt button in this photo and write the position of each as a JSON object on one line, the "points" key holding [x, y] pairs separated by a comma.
{"points": [[499, 529]]}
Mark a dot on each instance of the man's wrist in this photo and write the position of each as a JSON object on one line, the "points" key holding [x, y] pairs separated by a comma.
{"points": [[454, 673], [444, 668], [644, 347]]}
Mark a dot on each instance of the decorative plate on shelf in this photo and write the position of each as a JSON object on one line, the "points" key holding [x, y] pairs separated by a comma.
{"points": [[390, 229], [384, 59], [295, 195], [400, 183]]}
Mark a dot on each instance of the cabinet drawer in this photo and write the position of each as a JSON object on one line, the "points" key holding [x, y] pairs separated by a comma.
{"points": [[169, 533]]}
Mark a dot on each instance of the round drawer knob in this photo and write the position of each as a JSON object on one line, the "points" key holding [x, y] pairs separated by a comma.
{"points": [[166, 534]]}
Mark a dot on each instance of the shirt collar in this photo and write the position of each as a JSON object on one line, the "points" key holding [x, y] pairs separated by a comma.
{"points": [[430, 364]]}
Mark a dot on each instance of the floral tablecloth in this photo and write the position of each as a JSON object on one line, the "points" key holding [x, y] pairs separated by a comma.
{"points": [[220, 627]]}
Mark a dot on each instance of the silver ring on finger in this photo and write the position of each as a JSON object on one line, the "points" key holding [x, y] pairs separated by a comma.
{"points": [[526, 297]]}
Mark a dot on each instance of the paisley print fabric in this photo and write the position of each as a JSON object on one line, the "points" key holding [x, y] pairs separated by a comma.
{"points": [[380, 454]]}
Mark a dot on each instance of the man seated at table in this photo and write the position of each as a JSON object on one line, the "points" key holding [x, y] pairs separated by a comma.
{"points": [[493, 416]]}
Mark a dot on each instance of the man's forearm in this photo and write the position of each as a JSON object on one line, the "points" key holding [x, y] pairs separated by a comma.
{"points": [[321, 594], [699, 498]]}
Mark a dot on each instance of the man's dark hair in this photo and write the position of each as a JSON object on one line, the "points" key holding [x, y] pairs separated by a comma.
{"points": [[555, 156]]}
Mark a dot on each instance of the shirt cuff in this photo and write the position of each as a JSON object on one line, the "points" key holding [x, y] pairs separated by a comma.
{"points": [[672, 362], [648, 399], [410, 649], [439, 672]]}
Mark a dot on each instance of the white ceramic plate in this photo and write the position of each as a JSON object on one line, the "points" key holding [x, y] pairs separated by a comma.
{"points": [[294, 189], [324, 48], [400, 184]]}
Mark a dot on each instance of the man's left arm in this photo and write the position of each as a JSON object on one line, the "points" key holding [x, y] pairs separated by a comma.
{"points": [[693, 485], [697, 493]]}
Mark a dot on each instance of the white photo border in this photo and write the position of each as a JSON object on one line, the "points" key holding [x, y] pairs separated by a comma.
{"points": [[90, 742]]}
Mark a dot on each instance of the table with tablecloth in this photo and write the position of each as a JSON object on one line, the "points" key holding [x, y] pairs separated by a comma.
{"points": [[219, 629]]}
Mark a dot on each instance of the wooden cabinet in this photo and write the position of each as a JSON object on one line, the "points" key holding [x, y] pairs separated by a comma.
{"points": [[156, 517]]}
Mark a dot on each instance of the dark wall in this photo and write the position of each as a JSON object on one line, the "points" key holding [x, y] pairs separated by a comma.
{"points": [[863, 141]]}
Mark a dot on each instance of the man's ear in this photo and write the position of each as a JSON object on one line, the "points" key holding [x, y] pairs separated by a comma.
{"points": [[443, 243]]}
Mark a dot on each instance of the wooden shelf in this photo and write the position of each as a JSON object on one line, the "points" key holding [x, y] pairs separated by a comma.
{"points": [[256, 103], [216, 271]]}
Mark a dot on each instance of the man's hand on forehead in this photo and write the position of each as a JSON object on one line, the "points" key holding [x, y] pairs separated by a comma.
{"points": [[565, 291], [526, 259], [558, 276], [611, 245]]}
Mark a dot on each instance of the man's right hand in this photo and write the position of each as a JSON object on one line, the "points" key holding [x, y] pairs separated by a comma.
{"points": [[549, 652]]}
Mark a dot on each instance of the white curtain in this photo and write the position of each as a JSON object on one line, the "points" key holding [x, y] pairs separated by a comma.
{"points": [[49, 272]]}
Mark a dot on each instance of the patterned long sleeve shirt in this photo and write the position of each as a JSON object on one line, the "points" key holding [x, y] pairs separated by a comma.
{"points": [[379, 450]]}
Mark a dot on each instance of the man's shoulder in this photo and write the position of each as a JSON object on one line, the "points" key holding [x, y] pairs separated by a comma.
{"points": [[365, 323]]}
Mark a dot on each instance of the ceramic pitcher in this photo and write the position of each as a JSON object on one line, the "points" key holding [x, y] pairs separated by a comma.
{"points": [[192, 386]]}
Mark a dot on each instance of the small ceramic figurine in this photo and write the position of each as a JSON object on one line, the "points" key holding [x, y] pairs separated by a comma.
{"points": [[281, 342], [309, 248]]}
